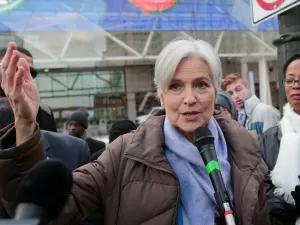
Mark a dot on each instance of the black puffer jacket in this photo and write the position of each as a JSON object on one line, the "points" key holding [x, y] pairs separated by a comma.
{"points": [[281, 213]]}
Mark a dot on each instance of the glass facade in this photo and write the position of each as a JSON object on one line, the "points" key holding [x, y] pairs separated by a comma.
{"points": [[67, 91]]}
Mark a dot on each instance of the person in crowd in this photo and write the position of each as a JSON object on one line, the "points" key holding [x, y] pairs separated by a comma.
{"points": [[224, 100], [45, 117], [72, 151], [252, 114], [120, 127], [280, 148], [154, 175], [77, 126]]}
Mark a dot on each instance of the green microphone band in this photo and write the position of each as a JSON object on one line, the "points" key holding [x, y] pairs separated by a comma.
{"points": [[211, 166]]}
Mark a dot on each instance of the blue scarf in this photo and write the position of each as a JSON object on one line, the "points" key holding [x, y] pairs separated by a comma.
{"points": [[197, 202]]}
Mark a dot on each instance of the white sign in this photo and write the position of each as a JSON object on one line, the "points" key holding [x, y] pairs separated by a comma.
{"points": [[265, 9]]}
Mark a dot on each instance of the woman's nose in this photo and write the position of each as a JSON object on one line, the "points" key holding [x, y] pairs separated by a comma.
{"points": [[189, 97]]}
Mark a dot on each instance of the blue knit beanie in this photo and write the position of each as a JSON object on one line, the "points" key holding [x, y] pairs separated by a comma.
{"points": [[80, 116]]}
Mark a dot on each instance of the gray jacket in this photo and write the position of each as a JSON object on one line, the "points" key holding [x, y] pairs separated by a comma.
{"points": [[260, 116]]}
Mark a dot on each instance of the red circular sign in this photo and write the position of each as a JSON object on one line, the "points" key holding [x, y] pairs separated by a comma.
{"points": [[270, 5]]}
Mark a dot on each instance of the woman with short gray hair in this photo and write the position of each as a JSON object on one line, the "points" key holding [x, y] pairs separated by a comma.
{"points": [[155, 175]]}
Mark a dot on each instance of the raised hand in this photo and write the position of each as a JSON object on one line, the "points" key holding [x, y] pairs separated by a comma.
{"points": [[20, 89]]}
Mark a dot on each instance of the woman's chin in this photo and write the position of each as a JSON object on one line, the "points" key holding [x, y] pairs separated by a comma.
{"points": [[191, 126], [189, 129]]}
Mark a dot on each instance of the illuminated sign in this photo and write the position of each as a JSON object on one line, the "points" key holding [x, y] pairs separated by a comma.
{"points": [[132, 15], [8, 5], [148, 6]]}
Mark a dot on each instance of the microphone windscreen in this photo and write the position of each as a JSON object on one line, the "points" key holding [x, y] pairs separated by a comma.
{"points": [[48, 185], [203, 136]]}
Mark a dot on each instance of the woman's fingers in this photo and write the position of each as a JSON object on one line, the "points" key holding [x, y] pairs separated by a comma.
{"points": [[4, 65], [12, 67], [6, 59], [10, 72], [18, 80], [26, 69]]}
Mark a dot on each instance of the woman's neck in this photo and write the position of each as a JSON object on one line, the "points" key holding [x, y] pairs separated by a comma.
{"points": [[190, 137]]}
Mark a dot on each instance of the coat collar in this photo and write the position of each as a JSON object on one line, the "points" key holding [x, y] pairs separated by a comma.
{"points": [[147, 143]]}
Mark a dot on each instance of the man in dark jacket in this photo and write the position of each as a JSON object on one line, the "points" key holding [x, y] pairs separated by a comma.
{"points": [[72, 151], [45, 116], [77, 126]]}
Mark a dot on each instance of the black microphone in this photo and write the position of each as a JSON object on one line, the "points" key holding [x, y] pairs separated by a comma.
{"points": [[204, 142], [44, 191]]}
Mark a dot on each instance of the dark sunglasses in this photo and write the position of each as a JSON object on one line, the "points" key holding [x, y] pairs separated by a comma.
{"points": [[33, 72]]}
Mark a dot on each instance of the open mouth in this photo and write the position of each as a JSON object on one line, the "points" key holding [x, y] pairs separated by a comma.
{"points": [[190, 113]]}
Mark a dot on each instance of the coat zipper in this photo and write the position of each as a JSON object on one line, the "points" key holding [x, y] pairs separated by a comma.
{"points": [[167, 171]]}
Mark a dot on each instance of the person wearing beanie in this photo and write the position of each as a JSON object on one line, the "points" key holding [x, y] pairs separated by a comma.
{"points": [[77, 125], [81, 117]]}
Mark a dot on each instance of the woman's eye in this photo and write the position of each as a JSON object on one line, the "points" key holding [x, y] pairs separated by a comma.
{"points": [[175, 86], [203, 85]]}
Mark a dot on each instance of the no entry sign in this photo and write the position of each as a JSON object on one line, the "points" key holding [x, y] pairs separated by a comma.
{"points": [[265, 9]]}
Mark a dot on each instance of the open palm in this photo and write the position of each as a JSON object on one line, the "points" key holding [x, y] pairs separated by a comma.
{"points": [[19, 86], [25, 101]]}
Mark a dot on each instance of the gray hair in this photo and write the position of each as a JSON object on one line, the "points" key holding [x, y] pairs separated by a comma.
{"points": [[177, 50]]}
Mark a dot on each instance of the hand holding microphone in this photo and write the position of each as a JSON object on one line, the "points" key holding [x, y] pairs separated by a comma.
{"points": [[205, 144]]}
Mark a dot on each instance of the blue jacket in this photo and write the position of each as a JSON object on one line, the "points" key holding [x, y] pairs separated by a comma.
{"points": [[74, 152]]}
